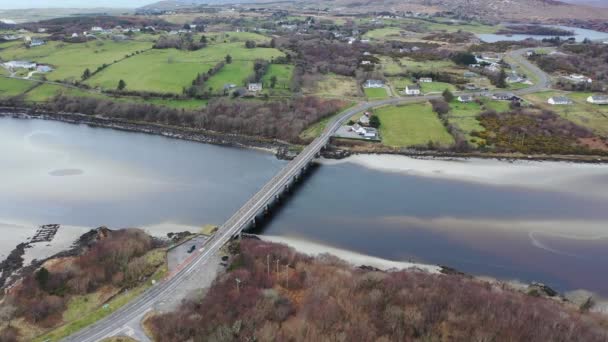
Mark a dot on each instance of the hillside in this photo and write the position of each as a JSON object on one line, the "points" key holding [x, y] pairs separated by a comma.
{"points": [[325, 299], [492, 9]]}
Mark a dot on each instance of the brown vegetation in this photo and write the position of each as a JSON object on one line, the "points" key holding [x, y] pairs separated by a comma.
{"points": [[116, 259], [590, 60], [284, 119], [532, 131], [323, 299]]}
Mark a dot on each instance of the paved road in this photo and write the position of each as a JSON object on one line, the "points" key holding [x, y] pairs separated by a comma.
{"points": [[117, 322]]}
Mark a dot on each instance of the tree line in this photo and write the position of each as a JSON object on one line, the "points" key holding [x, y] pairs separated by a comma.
{"points": [[283, 119]]}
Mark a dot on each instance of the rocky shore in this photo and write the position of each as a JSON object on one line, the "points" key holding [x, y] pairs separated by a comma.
{"points": [[338, 150], [279, 148]]}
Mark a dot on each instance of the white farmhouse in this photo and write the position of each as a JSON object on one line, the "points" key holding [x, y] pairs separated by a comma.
{"points": [[559, 100], [598, 99], [19, 65], [412, 90], [465, 98], [373, 84], [425, 80], [254, 87]]}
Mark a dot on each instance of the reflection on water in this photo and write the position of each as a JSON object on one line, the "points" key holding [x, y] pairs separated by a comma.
{"points": [[580, 34], [81, 176], [555, 233], [529, 221]]}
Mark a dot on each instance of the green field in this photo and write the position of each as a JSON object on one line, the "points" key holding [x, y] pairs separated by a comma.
{"points": [[585, 114], [392, 66], [386, 33], [411, 125], [234, 73], [232, 37], [12, 87], [44, 92], [436, 87], [70, 59], [498, 106], [171, 70], [375, 93], [332, 85], [464, 116], [282, 72]]}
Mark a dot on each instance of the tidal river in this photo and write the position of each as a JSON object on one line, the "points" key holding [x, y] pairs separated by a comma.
{"points": [[526, 221]]}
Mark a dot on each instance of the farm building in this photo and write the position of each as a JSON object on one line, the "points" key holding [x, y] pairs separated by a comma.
{"points": [[559, 100], [254, 87], [465, 98], [412, 89], [598, 99], [373, 84]]}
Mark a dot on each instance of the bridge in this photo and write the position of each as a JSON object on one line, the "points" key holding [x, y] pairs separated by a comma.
{"points": [[258, 204]]}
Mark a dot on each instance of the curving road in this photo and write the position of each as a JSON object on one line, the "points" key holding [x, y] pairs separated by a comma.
{"points": [[135, 310]]}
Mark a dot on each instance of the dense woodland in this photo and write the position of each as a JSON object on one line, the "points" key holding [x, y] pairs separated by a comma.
{"points": [[283, 119], [323, 299], [114, 259]]}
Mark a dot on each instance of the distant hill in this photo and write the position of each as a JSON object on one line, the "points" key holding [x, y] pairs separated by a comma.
{"points": [[592, 3], [491, 9]]}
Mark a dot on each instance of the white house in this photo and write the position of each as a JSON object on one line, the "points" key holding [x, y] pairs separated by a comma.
{"points": [[515, 78], [425, 80], [373, 84], [364, 120], [74, 35], [37, 42], [465, 98], [598, 99], [576, 78], [559, 100], [412, 89], [503, 96], [254, 87], [366, 62], [96, 29], [20, 65], [366, 132], [44, 68]]}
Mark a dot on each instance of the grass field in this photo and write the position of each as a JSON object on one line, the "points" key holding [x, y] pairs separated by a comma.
{"points": [[10, 87], [44, 92], [385, 33], [411, 125], [233, 73], [70, 60], [375, 93], [332, 85], [499, 106], [170, 70], [232, 37], [391, 66], [464, 116], [400, 82], [582, 113], [282, 72], [436, 87]]}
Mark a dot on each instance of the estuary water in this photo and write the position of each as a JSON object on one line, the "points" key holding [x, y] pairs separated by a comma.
{"points": [[579, 34], [83, 177], [525, 221]]}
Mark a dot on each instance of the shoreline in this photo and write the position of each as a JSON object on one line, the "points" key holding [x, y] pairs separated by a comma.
{"points": [[280, 149], [576, 297]]}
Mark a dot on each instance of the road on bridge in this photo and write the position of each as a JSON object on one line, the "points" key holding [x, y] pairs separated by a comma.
{"points": [[114, 323]]}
